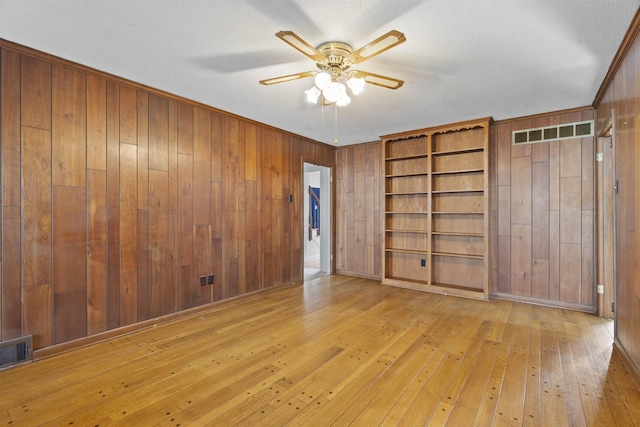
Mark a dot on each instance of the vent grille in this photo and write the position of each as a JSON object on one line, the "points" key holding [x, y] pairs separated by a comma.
{"points": [[550, 133], [16, 351]]}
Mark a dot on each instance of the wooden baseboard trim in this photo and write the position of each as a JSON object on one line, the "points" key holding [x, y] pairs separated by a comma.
{"points": [[634, 371], [545, 302], [361, 275], [95, 338]]}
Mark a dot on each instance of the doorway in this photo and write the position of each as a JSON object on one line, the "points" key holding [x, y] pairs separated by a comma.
{"points": [[606, 218], [317, 220]]}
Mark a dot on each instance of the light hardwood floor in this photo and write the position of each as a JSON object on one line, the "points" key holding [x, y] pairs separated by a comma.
{"points": [[338, 351]]}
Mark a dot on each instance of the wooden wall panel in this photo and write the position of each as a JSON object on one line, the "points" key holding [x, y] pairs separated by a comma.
{"points": [[128, 264], [621, 96], [10, 127], [96, 251], [202, 166], [520, 259], [96, 123], [540, 208], [69, 215], [96, 289], [113, 205], [70, 314], [185, 227], [128, 176], [127, 196], [173, 268], [142, 256], [69, 127], [358, 218], [521, 190], [158, 133], [12, 321], [36, 202], [544, 215], [128, 110], [143, 311], [173, 155], [37, 315], [201, 263], [158, 243], [143, 150], [35, 91]]}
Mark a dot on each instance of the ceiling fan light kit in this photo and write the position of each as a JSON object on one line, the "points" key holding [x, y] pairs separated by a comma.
{"points": [[334, 60]]}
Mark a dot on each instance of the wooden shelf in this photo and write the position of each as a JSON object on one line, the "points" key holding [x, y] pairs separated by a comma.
{"points": [[459, 171], [409, 157], [406, 251], [406, 231], [456, 233], [449, 254], [407, 193], [405, 213], [460, 151], [405, 175], [456, 191], [446, 192], [456, 213]]}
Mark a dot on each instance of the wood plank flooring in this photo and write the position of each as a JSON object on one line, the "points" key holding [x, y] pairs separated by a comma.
{"points": [[338, 351]]}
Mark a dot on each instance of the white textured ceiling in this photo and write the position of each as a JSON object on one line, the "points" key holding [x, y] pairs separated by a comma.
{"points": [[462, 59]]}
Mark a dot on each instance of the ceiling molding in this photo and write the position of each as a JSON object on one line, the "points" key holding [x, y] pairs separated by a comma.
{"points": [[545, 115], [621, 54]]}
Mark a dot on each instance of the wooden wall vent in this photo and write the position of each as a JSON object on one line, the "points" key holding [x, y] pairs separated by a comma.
{"points": [[16, 351], [551, 133]]}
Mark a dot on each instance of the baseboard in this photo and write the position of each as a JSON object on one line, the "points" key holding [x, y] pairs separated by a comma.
{"points": [[356, 274], [544, 302], [633, 369], [102, 336]]}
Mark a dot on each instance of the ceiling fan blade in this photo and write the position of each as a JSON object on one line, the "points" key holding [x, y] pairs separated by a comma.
{"points": [[296, 42], [378, 80], [288, 78], [379, 45]]}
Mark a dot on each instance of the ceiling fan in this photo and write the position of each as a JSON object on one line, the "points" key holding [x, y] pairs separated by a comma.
{"points": [[334, 59]]}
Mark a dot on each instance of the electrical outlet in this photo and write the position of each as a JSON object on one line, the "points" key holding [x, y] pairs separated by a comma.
{"points": [[601, 289], [423, 262], [210, 279], [203, 280]]}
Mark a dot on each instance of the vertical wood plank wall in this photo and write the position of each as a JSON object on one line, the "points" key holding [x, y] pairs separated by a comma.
{"points": [[359, 231], [116, 199], [623, 96], [543, 214]]}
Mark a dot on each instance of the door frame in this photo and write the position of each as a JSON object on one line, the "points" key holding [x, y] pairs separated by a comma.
{"points": [[606, 217], [331, 221]]}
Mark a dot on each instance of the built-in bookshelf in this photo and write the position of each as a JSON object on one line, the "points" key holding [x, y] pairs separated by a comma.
{"points": [[436, 209]]}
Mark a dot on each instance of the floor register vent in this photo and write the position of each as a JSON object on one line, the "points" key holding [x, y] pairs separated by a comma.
{"points": [[16, 351], [551, 133]]}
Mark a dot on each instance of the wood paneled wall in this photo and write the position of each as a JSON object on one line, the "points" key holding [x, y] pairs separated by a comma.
{"points": [[359, 231], [116, 198], [622, 95], [543, 214]]}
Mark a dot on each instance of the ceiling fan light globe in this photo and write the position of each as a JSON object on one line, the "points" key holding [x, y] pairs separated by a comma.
{"points": [[356, 84], [313, 94], [343, 101], [334, 92], [322, 80]]}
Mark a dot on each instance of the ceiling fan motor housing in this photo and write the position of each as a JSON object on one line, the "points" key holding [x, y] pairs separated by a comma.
{"points": [[336, 56]]}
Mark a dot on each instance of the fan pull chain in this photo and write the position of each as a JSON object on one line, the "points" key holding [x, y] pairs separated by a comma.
{"points": [[335, 121]]}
